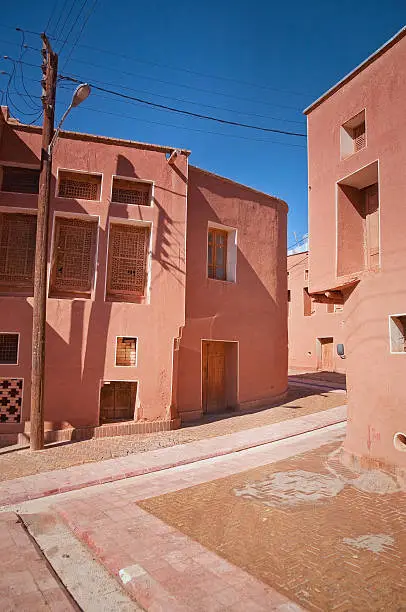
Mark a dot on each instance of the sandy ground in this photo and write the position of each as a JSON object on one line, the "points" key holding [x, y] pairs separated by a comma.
{"points": [[299, 402]]}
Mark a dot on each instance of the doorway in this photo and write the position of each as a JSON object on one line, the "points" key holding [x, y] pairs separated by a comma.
{"points": [[326, 354], [219, 375], [117, 401]]}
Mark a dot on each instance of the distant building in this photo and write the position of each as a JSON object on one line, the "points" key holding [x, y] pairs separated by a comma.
{"points": [[166, 286], [357, 220], [314, 329]]}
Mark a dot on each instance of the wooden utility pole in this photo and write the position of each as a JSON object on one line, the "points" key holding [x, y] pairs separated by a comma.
{"points": [[50, 71]]}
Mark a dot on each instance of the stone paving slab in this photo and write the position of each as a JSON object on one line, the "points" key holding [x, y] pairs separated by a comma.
{"points": [[26, 582], [91, 474]]}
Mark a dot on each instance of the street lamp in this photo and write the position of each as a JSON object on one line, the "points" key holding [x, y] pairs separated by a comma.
{"points": [[79, 95]]}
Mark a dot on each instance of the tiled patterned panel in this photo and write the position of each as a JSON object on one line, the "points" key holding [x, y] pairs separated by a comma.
{"points": [[11, 393]]}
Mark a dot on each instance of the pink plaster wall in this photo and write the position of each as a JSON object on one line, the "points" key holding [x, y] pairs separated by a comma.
{"points": [[305, 330], [252, 310], [375, 377], [81, 333]]}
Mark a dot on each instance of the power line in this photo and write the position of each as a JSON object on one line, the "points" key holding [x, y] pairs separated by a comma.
{"points": [[80, 32], [72, 27], [205, 75], [134, 74], [185, 112]]}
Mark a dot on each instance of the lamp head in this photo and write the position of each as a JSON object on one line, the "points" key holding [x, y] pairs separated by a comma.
{"points": [[81, 93]]}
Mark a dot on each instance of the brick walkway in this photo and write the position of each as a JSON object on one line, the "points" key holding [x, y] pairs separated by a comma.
{"points": [[307, 528], [77, 477], [26, 582], [164, 570], [301, 401]]}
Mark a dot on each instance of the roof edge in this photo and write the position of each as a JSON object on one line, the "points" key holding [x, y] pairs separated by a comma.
{"points": [[369, 60], [97, 138], [228, 180]]}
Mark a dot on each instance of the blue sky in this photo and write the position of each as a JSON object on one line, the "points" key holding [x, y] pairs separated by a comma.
{"points": [[259, 63]]}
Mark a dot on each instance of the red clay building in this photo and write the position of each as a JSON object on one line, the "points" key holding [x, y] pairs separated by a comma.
{"points": [[357, 219], [314, 329], [166, 285]]}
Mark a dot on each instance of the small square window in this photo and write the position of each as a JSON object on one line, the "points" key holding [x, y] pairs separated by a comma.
{"points": [[126, 191], [79, 185], [126, 351], [353, 135], [9, 349], [397, 327]]}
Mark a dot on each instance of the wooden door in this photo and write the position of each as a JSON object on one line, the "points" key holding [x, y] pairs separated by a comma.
{"points": [[117, 401], [327, 355], [213, 376], [372, 226]]}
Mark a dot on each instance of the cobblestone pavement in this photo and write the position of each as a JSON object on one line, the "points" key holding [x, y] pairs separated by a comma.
{"points": [[300, 401], [26, 582], [325, 537]]}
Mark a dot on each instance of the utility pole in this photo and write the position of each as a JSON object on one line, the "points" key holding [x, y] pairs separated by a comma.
{"points": [[50, 71]]}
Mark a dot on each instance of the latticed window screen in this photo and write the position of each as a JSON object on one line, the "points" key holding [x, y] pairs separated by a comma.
{"points": [[17, 251], [73, 255], [359, 137], [127, 260], [217, 253], [8, 348], [80, 186], [126, 351], [131, 192], [20, 180]]}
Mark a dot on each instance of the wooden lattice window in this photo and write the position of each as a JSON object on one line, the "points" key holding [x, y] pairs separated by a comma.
{"points": [[359, 137], [17, 252], [73, 256], [126, 352], [20, 180], [79, 185], [131, 192], [217, 253], [127, 262], [8, 348]]}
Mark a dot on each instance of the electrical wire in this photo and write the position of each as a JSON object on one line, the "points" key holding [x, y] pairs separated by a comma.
{"points": [[184, 112], [80, 32], [72, 27]]}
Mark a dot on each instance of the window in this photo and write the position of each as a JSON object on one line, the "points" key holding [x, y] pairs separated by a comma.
{"points": [[127, 262], [79, 185], [73, 257], [19, 180], [11, 395], [288, 295], [217, 253], [17, 252], [358, 244], [9, 349], [127, 191], [330, 308], [307, 303], [338, 307], [126, 352], [353, 135], [306, 275], [397, 329]]}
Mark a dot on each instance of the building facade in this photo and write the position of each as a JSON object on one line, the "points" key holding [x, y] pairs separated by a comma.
{"points": [[357, 215], [314, 329], [134, 233]]}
